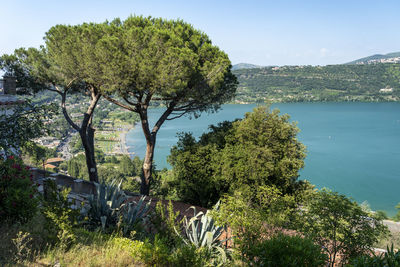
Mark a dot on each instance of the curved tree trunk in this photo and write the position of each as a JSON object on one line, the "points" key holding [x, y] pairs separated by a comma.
{"points": [[151, 144], [147, 167], [86, 130], [141, 108]]}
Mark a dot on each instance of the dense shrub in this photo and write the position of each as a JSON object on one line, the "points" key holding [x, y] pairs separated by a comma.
{"points": [[340, 225], [164, 221], [260, 150], [283, 250], [17, 191], [60, 218]]}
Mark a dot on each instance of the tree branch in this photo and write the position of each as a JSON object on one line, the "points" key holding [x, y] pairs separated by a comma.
{"points": [[120, 104], [64, 110], [129, 102], [177, 116], [163, 117], [95, 96]]}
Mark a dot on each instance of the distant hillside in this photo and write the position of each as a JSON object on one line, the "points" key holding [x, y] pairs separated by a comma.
{"points": [[365, 82], [245, 66], [388, 58]]}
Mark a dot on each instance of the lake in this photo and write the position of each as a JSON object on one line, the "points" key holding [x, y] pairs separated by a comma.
{"points": [[352, 148]]}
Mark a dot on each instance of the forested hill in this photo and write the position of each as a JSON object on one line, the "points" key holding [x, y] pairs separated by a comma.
{"points": [[391, 57], [368, 82]]}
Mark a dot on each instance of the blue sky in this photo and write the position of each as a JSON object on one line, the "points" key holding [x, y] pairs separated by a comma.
{"points": [[259, 32]]}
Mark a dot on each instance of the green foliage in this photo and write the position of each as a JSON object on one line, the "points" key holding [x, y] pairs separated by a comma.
{"points": [[60, 217], [22, 244], [165, 221], [389, 258], [77, 168], [175, 62], [35, 154], [192, 256], [381, 215], [18, 201], [339, 225], [252, 220], [259, 150], [159, 253], [285, 251], [110, 172], [26, 122], [127, 166], [75, 144]]}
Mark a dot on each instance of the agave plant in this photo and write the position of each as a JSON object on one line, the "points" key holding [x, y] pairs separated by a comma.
{"points": [[133, 213], [201, 231], [106, 203]]}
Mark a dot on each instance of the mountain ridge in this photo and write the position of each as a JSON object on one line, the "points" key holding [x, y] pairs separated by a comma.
{"points": [[240, 66]]}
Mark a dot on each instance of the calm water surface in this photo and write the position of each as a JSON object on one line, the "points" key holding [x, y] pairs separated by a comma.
{"points": [[352, 148]]}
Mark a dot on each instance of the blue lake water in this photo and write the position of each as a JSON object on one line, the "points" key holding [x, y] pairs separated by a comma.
{"points": [[352, 148]]}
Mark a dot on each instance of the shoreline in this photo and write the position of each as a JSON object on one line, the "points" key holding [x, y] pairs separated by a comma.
{"points": [[123, 146]]}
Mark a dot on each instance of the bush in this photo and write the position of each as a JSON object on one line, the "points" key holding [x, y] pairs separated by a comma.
{"points": [[60, 218], [340, 225], [160, 253], [283, 250], [389, 258], [164, 221], [259, 150], [157, 253], [17, 191]]}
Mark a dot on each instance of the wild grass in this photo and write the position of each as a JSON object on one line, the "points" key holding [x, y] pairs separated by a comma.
{"points": [[26, 245], [95, 249]]}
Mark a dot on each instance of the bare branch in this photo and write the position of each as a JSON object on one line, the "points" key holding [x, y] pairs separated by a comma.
{"points": [[55, 90], [177, 116], [120, 104]]}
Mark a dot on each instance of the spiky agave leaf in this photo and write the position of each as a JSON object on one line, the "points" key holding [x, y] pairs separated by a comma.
{"points": [[106, 203], [201, 231], [135, 213]]}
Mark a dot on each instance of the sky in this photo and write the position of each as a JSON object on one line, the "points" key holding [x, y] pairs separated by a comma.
{"points": [[279, 32]]}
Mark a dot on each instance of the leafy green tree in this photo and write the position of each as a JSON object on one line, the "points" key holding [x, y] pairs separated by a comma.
{"points": [[339, 225], [77, 168], [149, 60], [67, 63], [127, 167], [259, 150], [24, 123], [36, 154], [110, 173]]}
